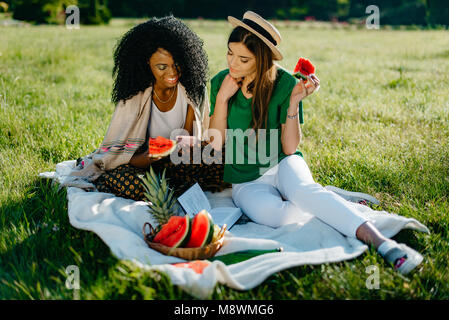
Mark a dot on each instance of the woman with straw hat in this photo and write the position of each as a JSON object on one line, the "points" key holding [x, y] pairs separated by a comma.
{"points": [[160, 77], [255, 96]]}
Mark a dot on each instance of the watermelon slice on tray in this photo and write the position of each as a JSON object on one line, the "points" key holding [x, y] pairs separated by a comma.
{"points": [[190, 239], [202, 230], [161, 147], [175, 233]]}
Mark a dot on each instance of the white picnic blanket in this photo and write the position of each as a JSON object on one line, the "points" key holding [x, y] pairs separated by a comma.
{"points": [[118, 222]]}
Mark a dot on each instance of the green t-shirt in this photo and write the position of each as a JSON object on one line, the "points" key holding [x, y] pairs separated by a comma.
{"points": [[245, 158]]}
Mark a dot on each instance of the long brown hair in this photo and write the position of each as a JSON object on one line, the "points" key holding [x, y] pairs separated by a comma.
{"points": [[262, 86]]}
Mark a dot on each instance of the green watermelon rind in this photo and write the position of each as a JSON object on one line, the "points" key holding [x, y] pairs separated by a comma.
{"points": [[187, 236], [299, 75], [210, 232]]}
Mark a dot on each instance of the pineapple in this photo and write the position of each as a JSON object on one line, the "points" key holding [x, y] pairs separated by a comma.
{"points": [[162, 202]]}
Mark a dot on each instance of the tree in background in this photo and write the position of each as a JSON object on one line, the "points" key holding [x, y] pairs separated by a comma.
{"points": [[437, 12], [53, 11], [184, 8], [94, 12], [4, 6], [270, 9], [393, 12], [148, 8]]}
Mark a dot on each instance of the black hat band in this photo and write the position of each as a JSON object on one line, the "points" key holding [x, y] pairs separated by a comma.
{"points": [[260, 30]]}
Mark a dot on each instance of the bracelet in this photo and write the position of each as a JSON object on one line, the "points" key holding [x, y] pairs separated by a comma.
{"points": [[292, 117]]}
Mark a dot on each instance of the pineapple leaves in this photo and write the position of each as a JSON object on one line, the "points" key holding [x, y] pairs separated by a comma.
{"points": [[161, 200]]}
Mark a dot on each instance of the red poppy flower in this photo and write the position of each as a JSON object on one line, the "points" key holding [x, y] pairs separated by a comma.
{"points": [[303, 68]]}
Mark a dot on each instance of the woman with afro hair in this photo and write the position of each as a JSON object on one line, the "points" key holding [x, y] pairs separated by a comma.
{"points": [[160, 75]]}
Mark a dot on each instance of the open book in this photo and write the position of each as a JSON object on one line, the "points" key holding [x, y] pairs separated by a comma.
{"points": [[194, 200]]}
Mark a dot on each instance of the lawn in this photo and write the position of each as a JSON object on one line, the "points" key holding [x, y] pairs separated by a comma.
{"points": [[379, 124]]}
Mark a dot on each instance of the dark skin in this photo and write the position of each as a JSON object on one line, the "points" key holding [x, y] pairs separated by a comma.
{"points": [[166, 75]]}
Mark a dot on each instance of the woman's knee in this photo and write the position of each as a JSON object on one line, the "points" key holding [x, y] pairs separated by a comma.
{"points": [[282, 213], [293, 170], [263, 204]]}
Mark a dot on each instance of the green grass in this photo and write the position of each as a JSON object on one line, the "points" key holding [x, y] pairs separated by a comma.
{"points": [[378, 125]]}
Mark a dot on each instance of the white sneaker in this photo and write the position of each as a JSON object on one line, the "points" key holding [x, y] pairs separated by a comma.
{"points": [[403, 258]]}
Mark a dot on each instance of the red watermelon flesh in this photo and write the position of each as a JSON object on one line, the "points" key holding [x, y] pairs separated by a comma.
{"points": [[202, 230], [175, 233], [161, 147], [198, 265]]}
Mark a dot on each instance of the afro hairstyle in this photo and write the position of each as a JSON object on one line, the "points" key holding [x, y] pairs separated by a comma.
{"points": [[131, 72]]}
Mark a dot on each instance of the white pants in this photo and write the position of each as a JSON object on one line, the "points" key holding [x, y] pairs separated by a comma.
{"points": [[291, 179]]}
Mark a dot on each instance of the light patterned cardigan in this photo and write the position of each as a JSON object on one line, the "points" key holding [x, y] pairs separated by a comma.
{"points": [[127, 132]]}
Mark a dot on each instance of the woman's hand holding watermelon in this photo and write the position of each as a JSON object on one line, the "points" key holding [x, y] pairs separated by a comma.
{"points": [[143, 160], [304, 71], [158, 148]]}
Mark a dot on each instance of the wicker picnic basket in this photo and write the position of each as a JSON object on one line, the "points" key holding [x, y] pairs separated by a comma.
{"points": [[186, 253]]}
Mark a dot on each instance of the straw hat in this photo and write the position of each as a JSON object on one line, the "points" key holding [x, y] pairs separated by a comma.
{"points": [[261, 28]]}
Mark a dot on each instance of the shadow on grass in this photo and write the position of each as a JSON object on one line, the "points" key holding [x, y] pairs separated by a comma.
{"points": [[40, 244]]}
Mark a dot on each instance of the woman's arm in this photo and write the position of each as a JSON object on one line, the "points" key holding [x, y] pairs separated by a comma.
{"points": [[290, 133], [190, 117], [205, 125], [142, 160], [219, 119], [218, 122], [291, 130]]}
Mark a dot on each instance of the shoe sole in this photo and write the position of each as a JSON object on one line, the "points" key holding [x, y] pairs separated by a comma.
{"points": [[354, 195], [414, 259]]}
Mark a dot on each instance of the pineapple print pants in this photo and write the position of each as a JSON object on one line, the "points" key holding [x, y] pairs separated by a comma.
{"points": [[124, 181]]}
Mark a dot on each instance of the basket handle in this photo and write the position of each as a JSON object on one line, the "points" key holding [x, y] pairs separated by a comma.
{"points": [[222, 231], [143, 229]]}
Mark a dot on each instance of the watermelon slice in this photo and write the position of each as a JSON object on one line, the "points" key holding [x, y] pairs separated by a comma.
{"points": [[175, 233], [161, 147], [202, 230], [198, 265], [303, 69]]}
